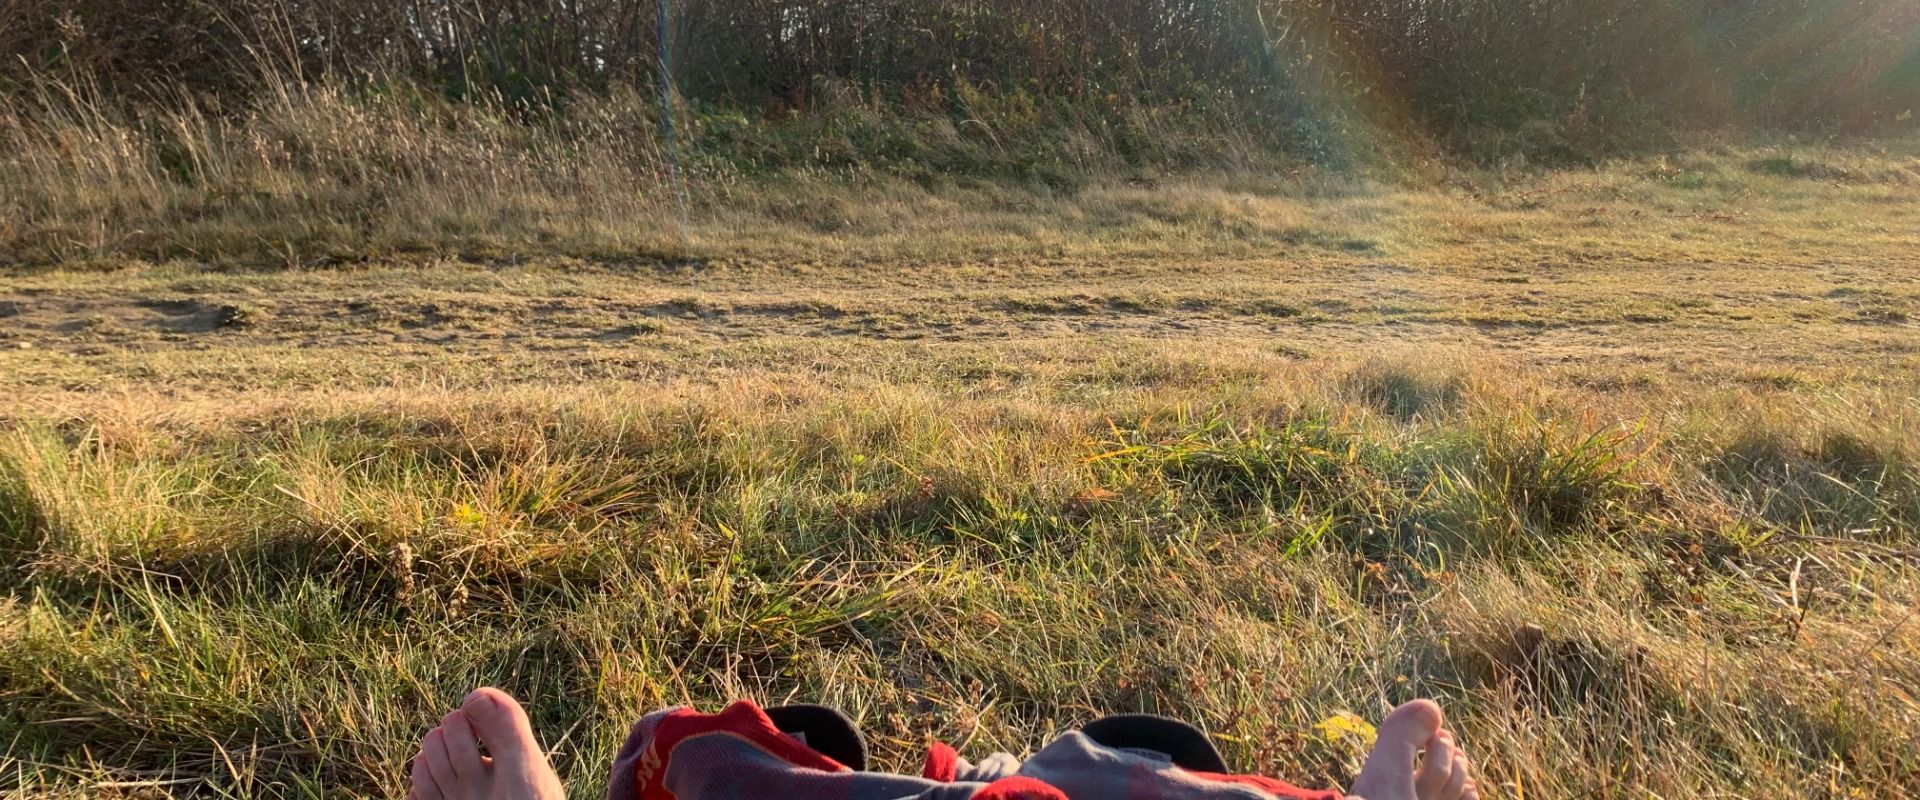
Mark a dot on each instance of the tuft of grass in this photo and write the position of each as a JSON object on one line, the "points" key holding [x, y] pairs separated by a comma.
{"points": [[1304, 469], [1405, 388], [1519, 482]]}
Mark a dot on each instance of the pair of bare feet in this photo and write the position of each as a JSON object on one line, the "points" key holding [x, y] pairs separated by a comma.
{"points": [[1415, 758]]}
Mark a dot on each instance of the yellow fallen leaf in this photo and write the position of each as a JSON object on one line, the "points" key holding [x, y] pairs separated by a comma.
{"points": [[1345, 725]]}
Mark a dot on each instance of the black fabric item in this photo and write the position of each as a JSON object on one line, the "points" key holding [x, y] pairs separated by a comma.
{"points": [[1185, 745], [824, 729]]}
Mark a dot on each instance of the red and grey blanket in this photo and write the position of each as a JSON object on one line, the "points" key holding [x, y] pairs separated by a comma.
{"points": [[813, 753]]}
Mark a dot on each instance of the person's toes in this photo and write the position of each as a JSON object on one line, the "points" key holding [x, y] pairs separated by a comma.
{"points": [[1414, 722], [1456, 788], [1389, 771], [1436, 768], [434, 750], [1463, 764], [463, 752], [502, 725], [1406, 730], [424, 787]]}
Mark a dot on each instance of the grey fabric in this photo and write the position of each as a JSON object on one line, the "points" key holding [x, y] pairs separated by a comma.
{"points": [[753, 774], [1085, 770], [626, 763], [990, 769]]}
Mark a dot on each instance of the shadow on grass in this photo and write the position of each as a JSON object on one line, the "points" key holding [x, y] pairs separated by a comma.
{"points": [[22, 526], [1836, 485]]}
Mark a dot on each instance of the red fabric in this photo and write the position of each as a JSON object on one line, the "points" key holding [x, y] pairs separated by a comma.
{"points": [[1274, 787], [1018, 788], [943, 763], [742, 720]]}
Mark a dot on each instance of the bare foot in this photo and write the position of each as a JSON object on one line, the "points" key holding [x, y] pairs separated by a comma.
{"points": [[450, 767], [1398, 770]]}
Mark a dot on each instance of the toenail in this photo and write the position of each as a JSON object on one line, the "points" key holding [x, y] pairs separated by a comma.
{"points": [[478, 694]]}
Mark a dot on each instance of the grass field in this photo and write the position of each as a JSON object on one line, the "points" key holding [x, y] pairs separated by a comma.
{"points": [[1622, 465]]}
